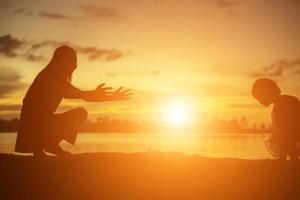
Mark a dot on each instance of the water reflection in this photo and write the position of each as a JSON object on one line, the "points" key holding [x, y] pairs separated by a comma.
{"points": [[249, 146]]}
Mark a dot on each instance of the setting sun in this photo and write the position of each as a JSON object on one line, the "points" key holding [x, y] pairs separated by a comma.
{"points": [[178, 114]]}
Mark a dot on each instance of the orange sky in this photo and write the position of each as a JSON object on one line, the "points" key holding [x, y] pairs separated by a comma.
{"points": [[208, 52]]}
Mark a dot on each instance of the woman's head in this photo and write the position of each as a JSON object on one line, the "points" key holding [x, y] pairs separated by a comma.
{"points": [[265, 91], [63, 62]]}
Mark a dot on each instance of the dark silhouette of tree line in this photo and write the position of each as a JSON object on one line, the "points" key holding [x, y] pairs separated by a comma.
{"points": [[114, 125], [9, 125], [234, 125]]}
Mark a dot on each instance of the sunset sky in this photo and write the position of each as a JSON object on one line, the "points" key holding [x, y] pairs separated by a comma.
{"points": [[206, 53]]}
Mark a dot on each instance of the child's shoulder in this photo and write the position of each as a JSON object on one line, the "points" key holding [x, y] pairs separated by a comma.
{"points": [[288, 99]]}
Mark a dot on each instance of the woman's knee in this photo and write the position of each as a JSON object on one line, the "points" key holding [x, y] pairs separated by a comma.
{"points": [[78, 114], [82, 114]]}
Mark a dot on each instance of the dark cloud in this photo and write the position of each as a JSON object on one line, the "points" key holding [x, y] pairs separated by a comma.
{"points": [[29, 13], [10, 81], [23, 11], [277, 69], [225, 3], [9, 45], [3, 3], [12, 47], [35, 58], [88, 10], [98, 11], [56, 16], [94, 53]]}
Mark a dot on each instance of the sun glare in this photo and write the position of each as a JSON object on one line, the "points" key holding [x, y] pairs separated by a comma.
{"points": [[178, 114]]}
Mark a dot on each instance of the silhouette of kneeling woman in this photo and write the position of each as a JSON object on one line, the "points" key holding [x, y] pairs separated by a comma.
{"points": [[41, 129]]}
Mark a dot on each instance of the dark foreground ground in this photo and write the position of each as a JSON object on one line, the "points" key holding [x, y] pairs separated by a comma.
{"points": [[152, 176]]}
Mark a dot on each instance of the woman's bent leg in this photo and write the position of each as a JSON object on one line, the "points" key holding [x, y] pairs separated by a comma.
{"points": [[72, 121], [65, 127]]}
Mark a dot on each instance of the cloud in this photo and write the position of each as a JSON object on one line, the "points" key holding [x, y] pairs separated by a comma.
{"points": [[9, 45], [23, 11], [112, 74], [13, 47], [10, 81], [35, 58], [277, 68], [225, 3], [44, 14], [29, 13], [87, 10], [155, 72], [97, 11], [55, 16], [3, 3], [94, 53], [8, 74]]}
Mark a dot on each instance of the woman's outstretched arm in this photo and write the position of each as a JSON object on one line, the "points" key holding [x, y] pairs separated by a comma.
{"points": [[101, 93]]}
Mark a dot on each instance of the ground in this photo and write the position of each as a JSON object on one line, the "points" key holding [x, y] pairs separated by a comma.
{"points": [[150, 176]]}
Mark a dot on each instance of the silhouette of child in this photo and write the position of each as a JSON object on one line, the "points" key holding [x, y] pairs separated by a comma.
{"points": [[40, 128], [285, 116]]}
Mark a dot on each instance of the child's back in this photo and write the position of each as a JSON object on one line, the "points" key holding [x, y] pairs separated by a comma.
{"points": [[286, 117]]}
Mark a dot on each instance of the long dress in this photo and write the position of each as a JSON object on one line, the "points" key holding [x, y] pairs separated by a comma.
{"points": [[40, 127]]}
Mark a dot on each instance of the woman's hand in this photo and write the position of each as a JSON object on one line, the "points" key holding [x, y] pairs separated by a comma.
{"points": [[121, 94], [102, 91]]}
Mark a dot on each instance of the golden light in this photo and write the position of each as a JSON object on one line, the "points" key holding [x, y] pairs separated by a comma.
{"points": [[178, 114]]}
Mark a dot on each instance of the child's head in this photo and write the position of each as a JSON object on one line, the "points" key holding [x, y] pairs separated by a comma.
{"points": [[265, 91]]}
